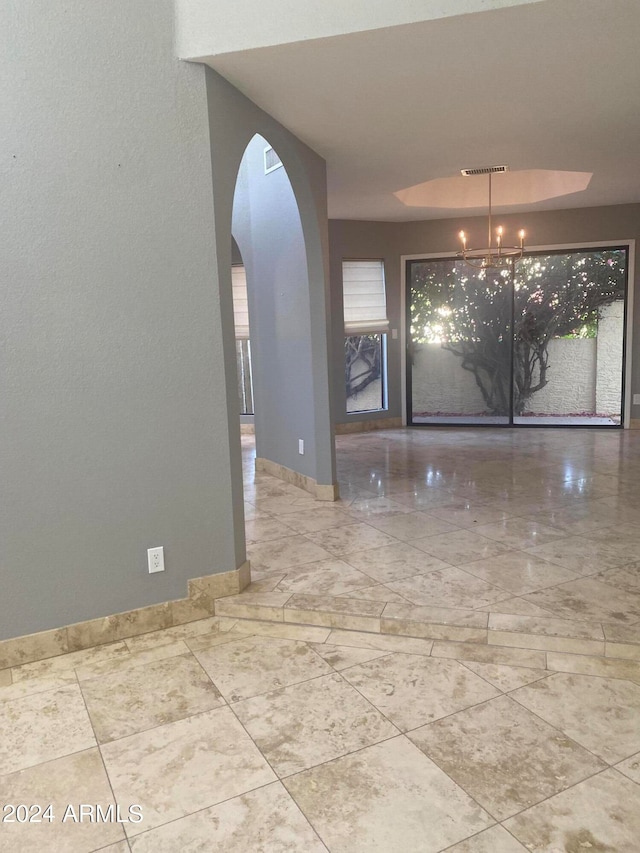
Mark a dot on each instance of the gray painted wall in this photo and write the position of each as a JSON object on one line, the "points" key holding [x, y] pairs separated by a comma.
{"points": [[390, 240], [307, 174], [268, 231], [119, 414], [114, 426]]}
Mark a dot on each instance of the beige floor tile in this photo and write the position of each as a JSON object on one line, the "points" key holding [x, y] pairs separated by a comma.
{"points": [[265, 581], [29, 686], [631, 767], [460, 546], [533, 632], [148, 696], [622, 650], [599, 814], [5, 677], [519, 572], [379, 592], [489, 654], [464, 514], [625, 578], [437, 615], [374, 800], [265, 820], [310, 723], [394, 562], [351, 613], [494, 840], [514, 606], [504, 756], [259, 664], [601, 714], [351, 538], [319, 518], [62, 663], [594, 665], [122, 663], [327, 577], [67, 781], [185, 766], [450, 587], [585, 556], [281, 630], [280, 554], [387, 643], [253, 605], [342, 657], [425, 499], [519, 532], [42, 727], [200, 628], [284, 504], [437, 623], [412, 525], [589, 599], [579, 518], [506, 678], [364, 508], [265, 529], [622, 633], [412, 690], [209, 641]]}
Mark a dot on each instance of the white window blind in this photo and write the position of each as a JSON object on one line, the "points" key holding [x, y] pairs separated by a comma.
{"points": [[365, 300], [240, 304]]}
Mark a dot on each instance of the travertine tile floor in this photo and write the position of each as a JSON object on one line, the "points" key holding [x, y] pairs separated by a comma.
{"points": [[480, 693]]}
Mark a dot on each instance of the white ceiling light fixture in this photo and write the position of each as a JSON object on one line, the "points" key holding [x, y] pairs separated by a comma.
{"points": [[490, 256]]}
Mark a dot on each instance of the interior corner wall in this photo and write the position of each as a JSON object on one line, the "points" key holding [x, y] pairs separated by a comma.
{"points": [[293, 401], [391, 240], [114, 430]]}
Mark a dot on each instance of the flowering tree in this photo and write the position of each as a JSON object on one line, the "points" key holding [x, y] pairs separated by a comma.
{"points": [[471, 312]]}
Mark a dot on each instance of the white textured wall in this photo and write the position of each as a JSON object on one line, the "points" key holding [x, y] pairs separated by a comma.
{"points": [[439, 384], [609, 359], [571, 379], [212, 27]]}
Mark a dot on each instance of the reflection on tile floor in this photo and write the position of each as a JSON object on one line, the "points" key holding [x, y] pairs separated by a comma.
{"points": [[448, 659]]}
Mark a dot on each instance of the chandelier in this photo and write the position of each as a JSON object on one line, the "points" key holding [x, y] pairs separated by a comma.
{"points": [[490, 256]]}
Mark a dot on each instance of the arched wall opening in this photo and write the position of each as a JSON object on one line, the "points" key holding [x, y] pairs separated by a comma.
{"points": [[302, 346], [267, 229]]}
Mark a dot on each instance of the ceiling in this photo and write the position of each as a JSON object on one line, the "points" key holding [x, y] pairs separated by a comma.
{"points": [[552, 87]]}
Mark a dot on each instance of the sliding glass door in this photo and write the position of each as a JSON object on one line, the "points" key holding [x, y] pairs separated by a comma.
{"points": [[538, 343]]}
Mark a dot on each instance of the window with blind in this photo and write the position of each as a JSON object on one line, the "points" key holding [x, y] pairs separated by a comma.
{"points": [[365, 327], [243, 342]]}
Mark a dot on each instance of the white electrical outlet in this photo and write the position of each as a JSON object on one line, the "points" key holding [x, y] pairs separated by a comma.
{"points": [[301, 446], [155, 559], [394, 334], [636, 399]]}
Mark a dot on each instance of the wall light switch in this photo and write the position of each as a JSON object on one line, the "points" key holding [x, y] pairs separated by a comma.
{"points": [[301, 446], [636, 399], [394, 334]]}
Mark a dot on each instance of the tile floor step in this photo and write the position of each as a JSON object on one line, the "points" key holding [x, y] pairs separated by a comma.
{"points": [[455, 625]]}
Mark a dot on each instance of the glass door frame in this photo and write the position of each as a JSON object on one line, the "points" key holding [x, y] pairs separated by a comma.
{"points": [[627, 246]]}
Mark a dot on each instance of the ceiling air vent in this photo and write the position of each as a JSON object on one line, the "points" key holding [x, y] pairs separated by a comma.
{"points": [[271, 160], [484, 170]]}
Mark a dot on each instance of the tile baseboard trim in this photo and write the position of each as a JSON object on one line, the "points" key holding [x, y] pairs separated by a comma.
{"points": [[199, 604], [634, 423], [367, 426], [295, 478], [247, 429]]}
